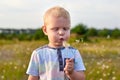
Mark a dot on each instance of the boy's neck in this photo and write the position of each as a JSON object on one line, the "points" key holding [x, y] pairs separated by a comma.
{"points": [[55, 46]]}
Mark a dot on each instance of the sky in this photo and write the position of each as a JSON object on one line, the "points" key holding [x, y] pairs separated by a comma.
{"points": [[23, 14]]}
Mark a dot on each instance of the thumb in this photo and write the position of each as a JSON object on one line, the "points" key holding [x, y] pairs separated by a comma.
{"points": [[71, 59]]}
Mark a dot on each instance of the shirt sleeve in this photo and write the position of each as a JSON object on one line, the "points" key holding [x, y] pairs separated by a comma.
{"points": [[33, 67], [79, 65]]}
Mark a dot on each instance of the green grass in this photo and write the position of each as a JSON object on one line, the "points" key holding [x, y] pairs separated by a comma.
{"points": [[101, 58]]}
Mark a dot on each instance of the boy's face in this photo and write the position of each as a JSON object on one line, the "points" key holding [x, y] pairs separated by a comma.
{"points": [[57, 30]]}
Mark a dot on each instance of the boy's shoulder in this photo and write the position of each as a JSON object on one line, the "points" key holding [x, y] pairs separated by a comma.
{"points": [[72, 48], [41, 48]]}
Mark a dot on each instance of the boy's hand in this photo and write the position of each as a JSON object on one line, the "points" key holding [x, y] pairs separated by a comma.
{"points": [[69, 67]]}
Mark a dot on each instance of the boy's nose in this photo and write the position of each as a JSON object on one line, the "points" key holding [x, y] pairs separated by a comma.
{"points": [[61, 32]]}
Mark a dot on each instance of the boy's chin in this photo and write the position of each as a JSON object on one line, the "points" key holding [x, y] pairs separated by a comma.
{"points": [[59, 44]]}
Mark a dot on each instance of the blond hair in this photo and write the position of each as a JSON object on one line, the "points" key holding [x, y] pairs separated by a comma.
{"points": [[56, 11]]}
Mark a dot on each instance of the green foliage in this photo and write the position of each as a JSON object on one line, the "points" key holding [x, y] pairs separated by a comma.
{"points": [[91, 32], [80, 29], [2, 36], [38, 34], [104, 33], [22, 36], [116, 33]]}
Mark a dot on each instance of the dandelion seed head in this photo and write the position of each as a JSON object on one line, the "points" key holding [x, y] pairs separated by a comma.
{"points": [[77, 41], [24, 66], [2, 77], [10, 63], [101, 79], [114, 78], [108, 74], [98, 63], [113, 72], [107, 66], [4, 71], [65, 44], [104, 74], [15, 67], [103, 66], [98, 72]]}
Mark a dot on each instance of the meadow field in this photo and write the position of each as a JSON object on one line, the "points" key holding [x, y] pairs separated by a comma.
{"points": [[101, 58]]}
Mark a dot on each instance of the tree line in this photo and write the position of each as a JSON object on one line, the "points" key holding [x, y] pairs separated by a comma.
{"points": [[80, 30]]}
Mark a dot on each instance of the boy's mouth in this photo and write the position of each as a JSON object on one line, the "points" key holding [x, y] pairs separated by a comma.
{"points": [[61, 39]]}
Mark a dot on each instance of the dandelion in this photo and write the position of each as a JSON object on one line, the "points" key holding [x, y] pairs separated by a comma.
{"points": [[107, 66], [113, 72], [104, 74], [101, 79], [77, 41], [86, 63], [103, 66], [28, 49], [98, 63], [108, 36], [114, 78], [98, 72], [10, 63], [15, 67], [110, 60], [103, 46], [2, 77], [24, 66], [108, 74], [4, 71], [65, 44]]}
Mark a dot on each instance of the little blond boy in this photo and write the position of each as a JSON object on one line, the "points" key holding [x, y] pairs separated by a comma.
{"points": [[48, 62]]}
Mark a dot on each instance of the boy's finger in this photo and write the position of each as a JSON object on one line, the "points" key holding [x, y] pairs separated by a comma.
{"points": [[71, 60]]}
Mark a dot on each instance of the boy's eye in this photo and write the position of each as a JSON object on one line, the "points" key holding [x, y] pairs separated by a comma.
{"points": [[66, 28], [55, 29]]}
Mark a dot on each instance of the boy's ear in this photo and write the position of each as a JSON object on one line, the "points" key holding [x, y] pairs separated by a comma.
{"points": [[44, 30]]}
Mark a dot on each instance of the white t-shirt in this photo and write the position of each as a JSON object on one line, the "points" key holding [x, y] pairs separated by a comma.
{"points": [[45, 64]]}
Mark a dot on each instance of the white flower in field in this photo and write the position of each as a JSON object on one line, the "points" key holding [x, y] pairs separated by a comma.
{"points": [[10, 63], [98, 63], [104, 74], [77, 41], [15, 67], [113, 72], [86, 63], [24, 66], [98, 72], [108, 74], [114, 78], [28, 48], [107, 66], [101, 79], [110, 60], [103, 46], [108, 36], [2, 77], [103, 66], [4, 71]]}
